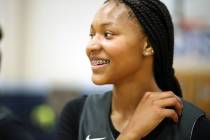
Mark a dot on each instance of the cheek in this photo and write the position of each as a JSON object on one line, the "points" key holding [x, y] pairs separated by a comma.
{"points": [[125, 59], [123, 51], [88, 48], [115, 47]]}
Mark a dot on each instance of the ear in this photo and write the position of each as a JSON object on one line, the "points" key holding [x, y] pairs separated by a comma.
{"points": [[148, 50]]}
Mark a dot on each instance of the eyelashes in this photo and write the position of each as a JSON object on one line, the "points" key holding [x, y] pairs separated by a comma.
{"points": [[106, 35]]}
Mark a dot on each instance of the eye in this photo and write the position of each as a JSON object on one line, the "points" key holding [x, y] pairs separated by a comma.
{"points": [[91, 35], [108, 35]]}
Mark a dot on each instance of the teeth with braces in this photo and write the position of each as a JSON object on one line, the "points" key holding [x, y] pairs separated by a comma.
{"points": [[99, 62]]}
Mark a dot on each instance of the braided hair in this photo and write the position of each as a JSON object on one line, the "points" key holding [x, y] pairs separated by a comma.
{"points": [[156, 21]]}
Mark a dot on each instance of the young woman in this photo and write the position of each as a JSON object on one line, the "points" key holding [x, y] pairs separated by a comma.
{"points": [[131, 47]]}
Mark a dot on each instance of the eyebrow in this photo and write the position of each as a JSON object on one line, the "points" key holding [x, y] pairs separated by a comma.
{"points": [[103, 24]]}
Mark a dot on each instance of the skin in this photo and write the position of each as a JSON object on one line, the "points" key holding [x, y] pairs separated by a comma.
{"points": [[136, 95]]}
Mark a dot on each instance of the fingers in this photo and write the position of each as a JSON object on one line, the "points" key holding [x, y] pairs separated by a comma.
{"points": [[168, 102], [153, 108], [160, 95], [171, 113]]}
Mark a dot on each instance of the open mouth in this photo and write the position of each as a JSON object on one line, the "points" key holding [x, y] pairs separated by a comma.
{"points": [[99, 61]]}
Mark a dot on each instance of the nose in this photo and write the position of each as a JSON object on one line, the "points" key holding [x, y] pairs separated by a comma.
{"points": [[94, 45]]}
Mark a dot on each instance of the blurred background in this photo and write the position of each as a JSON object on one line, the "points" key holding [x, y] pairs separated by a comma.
{"points": [[44, 62]]}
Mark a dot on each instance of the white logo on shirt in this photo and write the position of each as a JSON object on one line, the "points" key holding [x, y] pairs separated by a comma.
{"points": [[88, 138]]}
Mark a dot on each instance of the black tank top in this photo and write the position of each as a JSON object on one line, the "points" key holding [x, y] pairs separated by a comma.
{"points": [[95, 121]]}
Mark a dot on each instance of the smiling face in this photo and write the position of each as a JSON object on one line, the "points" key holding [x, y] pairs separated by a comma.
{"points": [[116, 45]]}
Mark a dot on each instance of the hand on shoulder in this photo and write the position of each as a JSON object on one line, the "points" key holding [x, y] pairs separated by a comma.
{"points": [[153, 108]]}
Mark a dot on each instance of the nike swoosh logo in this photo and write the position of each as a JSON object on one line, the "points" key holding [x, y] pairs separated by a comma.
{"points": [[88, 138]]}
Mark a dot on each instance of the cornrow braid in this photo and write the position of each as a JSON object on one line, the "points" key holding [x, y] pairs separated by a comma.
{"points": [[155, 18]]}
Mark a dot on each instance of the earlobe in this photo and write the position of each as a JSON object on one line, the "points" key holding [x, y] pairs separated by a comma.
{"points": [[148, 50]]}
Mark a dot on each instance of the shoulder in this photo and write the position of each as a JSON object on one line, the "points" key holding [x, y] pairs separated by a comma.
{"points": [[71, 115], [201, 124], [190, 115], [76, 103], [191, 110], [68, 124], [201, 129], [73, 108], [98, 98]]}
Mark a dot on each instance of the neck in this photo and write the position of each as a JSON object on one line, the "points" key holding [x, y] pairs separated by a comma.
{"points": [[127, 96], [125, 99], [127, 93]]}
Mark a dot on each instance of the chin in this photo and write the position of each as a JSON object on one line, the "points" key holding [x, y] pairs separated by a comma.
{"points": [[99, 81]]}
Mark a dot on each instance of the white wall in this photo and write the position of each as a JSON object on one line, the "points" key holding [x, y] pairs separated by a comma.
{"points": [[10, 21], [57, 33], [45, 39]]}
